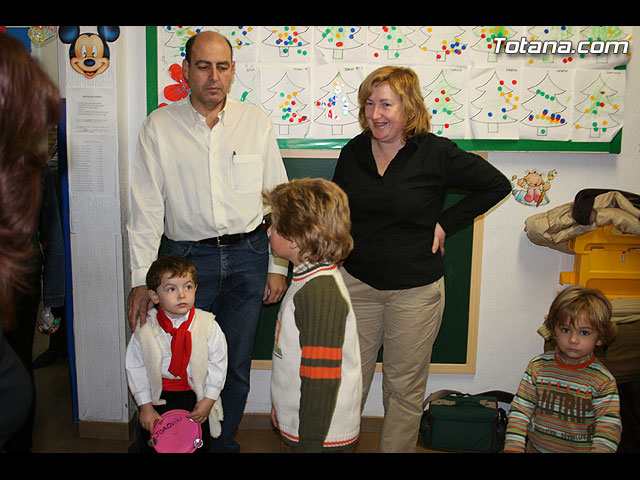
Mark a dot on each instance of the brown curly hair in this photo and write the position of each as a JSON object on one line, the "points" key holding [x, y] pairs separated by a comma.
{"points": [[315, 213], [29, 107], [575, 301]]}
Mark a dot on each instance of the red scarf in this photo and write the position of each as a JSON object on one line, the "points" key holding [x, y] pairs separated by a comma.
{"points": [[180, 351]]}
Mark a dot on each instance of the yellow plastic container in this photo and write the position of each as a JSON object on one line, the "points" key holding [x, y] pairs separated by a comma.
{"points": [[608, 260]]}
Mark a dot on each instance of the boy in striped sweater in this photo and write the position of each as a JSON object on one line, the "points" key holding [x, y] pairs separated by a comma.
{"points": [[567, 400], [316, 380]]}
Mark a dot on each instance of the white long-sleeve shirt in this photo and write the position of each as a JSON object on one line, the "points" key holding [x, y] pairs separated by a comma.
{"points": [[138, 374], [193, 182]]}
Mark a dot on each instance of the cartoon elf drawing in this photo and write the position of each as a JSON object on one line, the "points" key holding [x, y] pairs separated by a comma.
{"points": [[532, 188]]}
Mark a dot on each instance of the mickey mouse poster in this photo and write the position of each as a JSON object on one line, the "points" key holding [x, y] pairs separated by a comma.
{"points": [[89, 53]]}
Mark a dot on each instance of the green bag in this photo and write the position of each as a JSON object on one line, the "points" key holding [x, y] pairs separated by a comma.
{"points": [[461, 422]]}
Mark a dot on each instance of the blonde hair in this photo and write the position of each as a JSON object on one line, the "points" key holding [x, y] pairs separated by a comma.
{"points": [[576, 301], [315, 214], [404, 83]]}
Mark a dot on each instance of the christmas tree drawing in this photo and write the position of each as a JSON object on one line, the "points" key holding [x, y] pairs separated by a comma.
{"points": [[555, 33], [392, 40], [337, 108], [545, 107], [602, 34], [178, 36], [284, 107], [240, 37], [443, 42], [338, 39], [245, 85], [497, 103], [597, 109], [287, 40], [487, 39], [442, 105]]}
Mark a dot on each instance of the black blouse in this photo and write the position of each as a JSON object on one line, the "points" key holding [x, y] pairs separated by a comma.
{"points": [[394, 215]]}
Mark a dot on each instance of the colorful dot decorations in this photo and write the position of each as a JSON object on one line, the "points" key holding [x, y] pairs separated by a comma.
{"points": [[440, 106], [287, 107], [489, 34], [288, 38], [338, 35], [508, 98], [184, 33], [334, 100], [238, 38], [392, 39], [547, 31], [455, 47], [604, 34], [442, 102], [553, 118], [598, 106]]}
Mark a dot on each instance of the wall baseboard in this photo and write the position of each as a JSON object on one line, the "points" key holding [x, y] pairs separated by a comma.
{"points": [[107, 430], [250, 421]]}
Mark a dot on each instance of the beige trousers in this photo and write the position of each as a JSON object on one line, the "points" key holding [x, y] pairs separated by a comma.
{"points": [[406, 322]]}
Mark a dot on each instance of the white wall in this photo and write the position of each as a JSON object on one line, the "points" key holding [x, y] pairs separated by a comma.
{"points": [[519, 279], [98, 235]]}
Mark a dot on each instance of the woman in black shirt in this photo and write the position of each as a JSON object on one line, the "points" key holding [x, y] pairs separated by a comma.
{"points": [[396, 175]]}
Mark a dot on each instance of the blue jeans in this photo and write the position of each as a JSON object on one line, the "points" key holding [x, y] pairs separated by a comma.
{"points": [[231, 281]]}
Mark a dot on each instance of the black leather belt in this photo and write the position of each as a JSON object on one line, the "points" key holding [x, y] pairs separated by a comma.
{"points": [[232, 238]]}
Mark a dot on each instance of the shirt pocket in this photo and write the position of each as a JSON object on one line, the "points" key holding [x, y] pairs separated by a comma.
{"points": [[247, 173]]}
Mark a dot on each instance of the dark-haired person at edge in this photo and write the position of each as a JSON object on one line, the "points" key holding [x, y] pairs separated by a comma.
{"points": [[29, 107], [198, 176], [396, 175]]}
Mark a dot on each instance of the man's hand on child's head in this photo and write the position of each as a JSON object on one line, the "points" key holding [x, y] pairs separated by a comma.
{"points": [[201, 411]]}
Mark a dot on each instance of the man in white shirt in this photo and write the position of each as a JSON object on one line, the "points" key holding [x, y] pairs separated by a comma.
{"points": [[198, 176]]}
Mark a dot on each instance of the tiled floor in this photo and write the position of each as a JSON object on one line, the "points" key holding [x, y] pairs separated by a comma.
{"points": [[55, 431]]}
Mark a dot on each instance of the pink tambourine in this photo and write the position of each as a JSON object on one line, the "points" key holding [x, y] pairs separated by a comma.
{"points": [[175, 433]]}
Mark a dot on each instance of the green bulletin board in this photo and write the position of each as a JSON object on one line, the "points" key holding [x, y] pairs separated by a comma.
{"points": [[455, 347], [478, 145]]}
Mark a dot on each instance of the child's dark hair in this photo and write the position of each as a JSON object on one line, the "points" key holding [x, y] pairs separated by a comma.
{"points": [[174, 265], [574, 302]]}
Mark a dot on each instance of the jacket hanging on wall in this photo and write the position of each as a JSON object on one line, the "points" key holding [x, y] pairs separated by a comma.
{"points": [[583, 212], [554, 228]]}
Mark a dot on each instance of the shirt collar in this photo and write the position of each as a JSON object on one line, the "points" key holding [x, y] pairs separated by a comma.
{"points": [[177, 320], [198, 117], [366, 152], [412, 143]]}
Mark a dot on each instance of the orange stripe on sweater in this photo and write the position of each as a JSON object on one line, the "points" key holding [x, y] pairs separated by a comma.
{"points": [[322, 353], [320, 372], [325, 269], [326, 444]]}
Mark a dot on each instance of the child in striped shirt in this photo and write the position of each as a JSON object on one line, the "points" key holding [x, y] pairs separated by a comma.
{"points": [[567, 400], [316, 379]]}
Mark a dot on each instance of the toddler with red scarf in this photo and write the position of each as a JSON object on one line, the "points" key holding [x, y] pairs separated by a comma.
{"points": [[178, 358]]}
